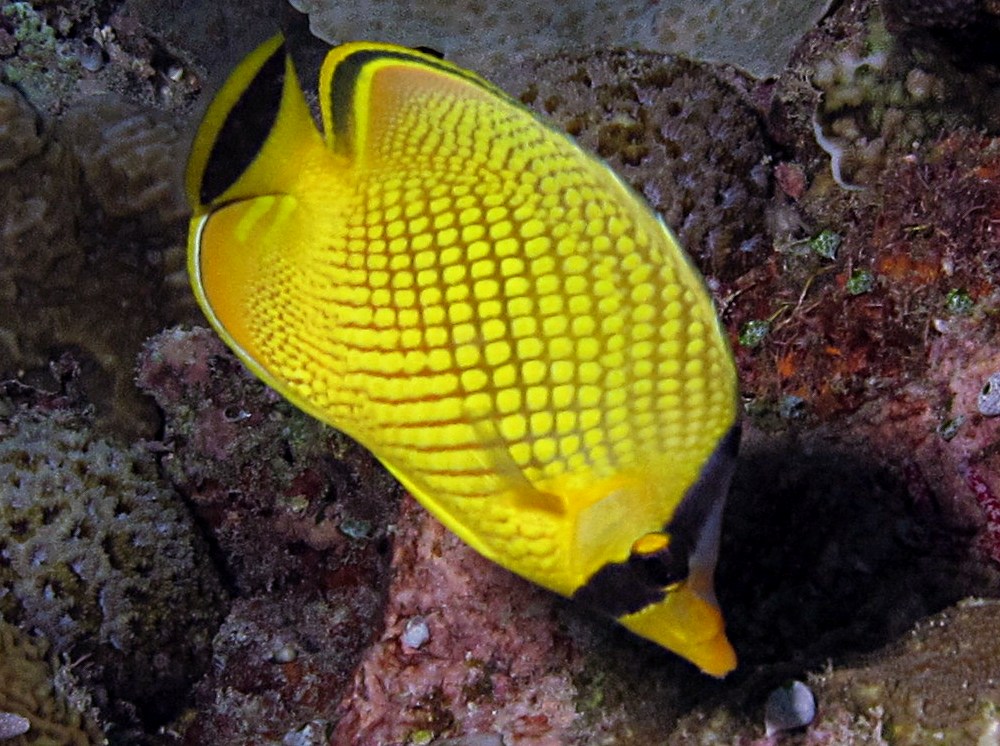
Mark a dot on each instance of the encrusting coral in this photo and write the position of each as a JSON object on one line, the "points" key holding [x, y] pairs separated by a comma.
{"points": [[468, 650], [27, 691], [755, 35], [99, 556]]}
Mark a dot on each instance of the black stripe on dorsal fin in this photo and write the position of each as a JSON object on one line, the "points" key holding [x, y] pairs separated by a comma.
{"points": [[342, 93]]}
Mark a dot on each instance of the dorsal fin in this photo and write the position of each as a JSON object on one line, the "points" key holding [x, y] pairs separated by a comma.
{"points": [[247, 142], [352, 94]]}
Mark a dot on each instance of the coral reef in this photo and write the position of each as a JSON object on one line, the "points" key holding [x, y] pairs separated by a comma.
{"points": [[962, 31], [301, 518], [27, 691], [98, 555], [487, 659], [93, 202], [757, 36], [701, 165], [868, 494], [937, 686]]}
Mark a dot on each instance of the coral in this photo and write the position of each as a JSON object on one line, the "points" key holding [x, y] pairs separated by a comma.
{"points": [[302, 521], [755, 35], [131, 158], [881, 96], [492, 662], [91, 201], [701, 163], [27, 690], [35, 41], [937, 685], [19, 130], [39, 187], [99, 556]]}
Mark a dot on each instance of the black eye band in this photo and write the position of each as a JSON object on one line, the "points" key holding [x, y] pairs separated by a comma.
{"points": [[620, 588]]}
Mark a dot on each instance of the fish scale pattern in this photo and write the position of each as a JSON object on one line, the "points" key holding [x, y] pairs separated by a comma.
{"points": [[500, 309]]}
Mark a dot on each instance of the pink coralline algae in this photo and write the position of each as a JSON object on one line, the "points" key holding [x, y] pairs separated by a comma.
{"points": [[493, 660]]}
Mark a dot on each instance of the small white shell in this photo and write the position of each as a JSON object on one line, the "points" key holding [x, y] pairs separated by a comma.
{"points": [[790, 706], [13, 725], [989, 396], [416, 633], [284, 653]]}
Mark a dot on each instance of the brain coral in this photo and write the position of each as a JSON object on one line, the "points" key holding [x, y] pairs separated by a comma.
{"points": [[130, 157], [26, 690], [679, 134], [97, 555], [38, 191], [92, 230]]}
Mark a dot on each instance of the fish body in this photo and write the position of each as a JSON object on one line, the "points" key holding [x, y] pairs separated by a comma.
{"points": [[455, 284]]}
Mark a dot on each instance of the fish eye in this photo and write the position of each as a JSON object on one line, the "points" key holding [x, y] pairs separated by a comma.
{"points": [[650, 543]]}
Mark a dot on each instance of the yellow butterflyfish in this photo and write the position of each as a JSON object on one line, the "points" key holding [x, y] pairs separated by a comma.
{"points": [[454, 283]]}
